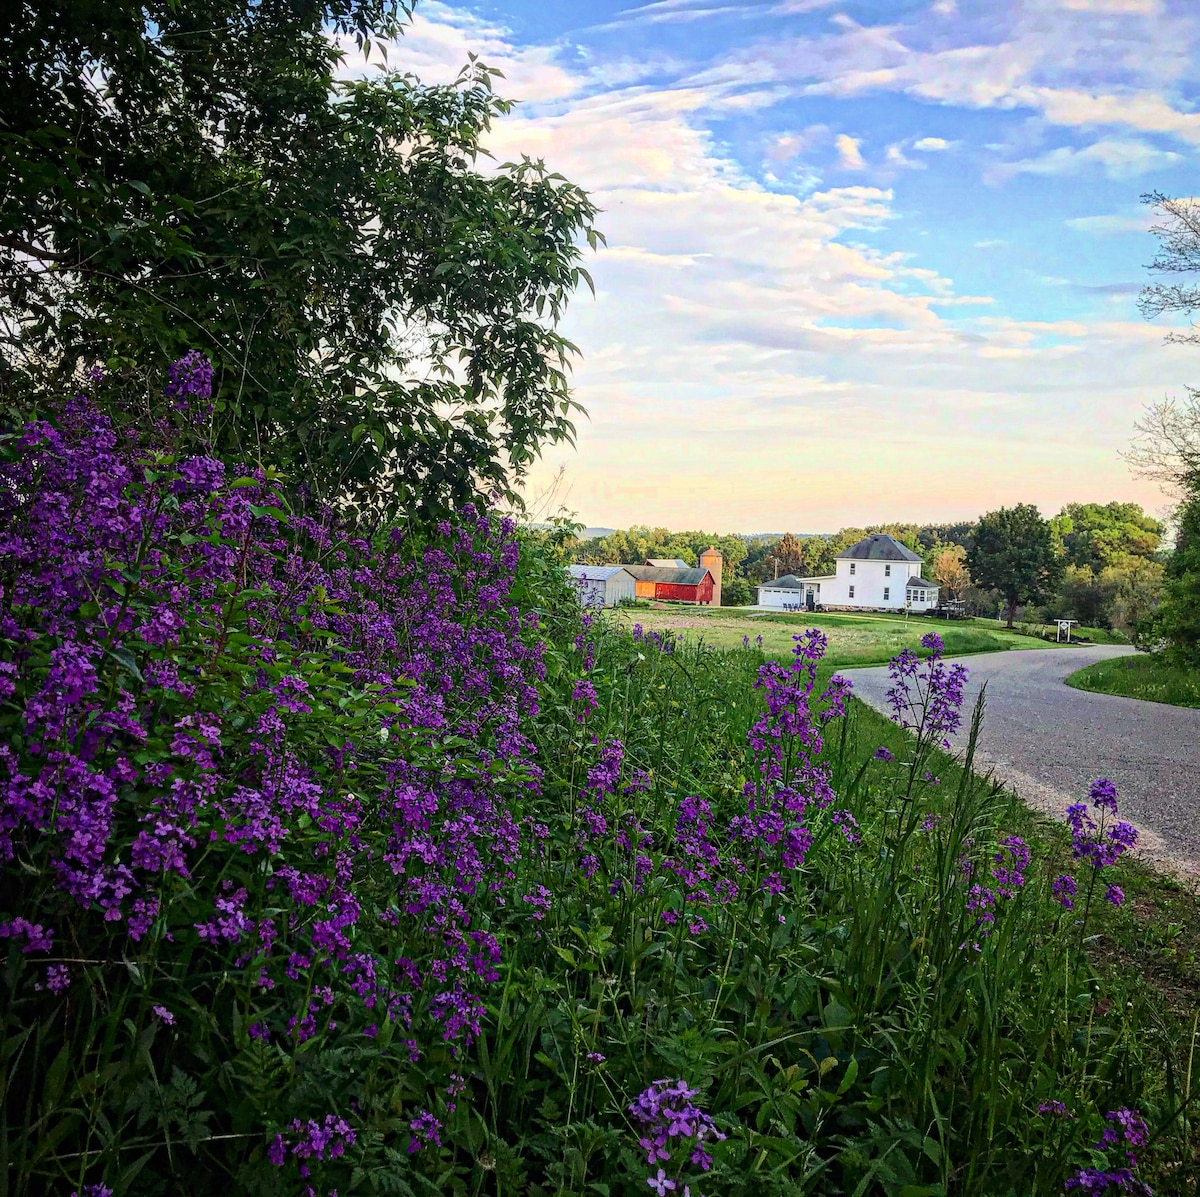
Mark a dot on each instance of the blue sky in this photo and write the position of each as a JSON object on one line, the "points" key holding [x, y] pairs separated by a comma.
{"points": [[868, 260]]}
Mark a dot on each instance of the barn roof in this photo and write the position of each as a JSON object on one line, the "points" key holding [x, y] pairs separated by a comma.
{"points": [[594, 573], [668, 576], [879, 546], [667, 562]]}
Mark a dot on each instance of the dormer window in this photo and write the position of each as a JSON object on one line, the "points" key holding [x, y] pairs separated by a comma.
{"points": [[851, 566]]}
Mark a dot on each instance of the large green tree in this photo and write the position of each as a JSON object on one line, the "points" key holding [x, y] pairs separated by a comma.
{"points": [[1013, 552], [381, 312], [1177, 621], [1097, 535]]}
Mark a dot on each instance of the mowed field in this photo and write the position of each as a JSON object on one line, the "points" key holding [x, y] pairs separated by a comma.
{"points": [[853, 639]]}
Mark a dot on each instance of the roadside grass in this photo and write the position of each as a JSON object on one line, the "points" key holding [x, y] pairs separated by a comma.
{"points": [[893, 1015], [1144, 954], [853, 639], [1146, 676], [1155, 933]]}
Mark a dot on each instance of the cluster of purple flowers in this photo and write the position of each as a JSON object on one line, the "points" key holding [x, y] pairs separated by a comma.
{"points": [[673, 1131], [312, 1140], [1124, 1130], [664, 642], [785, 742], [133, 586], [1100, 842], [926, 696], [716, 862]]}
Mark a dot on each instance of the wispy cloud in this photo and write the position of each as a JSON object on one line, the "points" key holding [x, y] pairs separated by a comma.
{"points": [[758, 319], [1118, 159], [1109, 225], [848, 152]]}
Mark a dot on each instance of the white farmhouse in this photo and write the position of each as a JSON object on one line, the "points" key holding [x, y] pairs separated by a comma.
{"points": [[602, 585], [876, 574]]}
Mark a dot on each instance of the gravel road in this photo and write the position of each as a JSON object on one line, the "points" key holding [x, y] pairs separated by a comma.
{"points": [[1050, 741]]}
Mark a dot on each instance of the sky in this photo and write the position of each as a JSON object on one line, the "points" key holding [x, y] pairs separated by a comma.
{"points": [[867, 260]]}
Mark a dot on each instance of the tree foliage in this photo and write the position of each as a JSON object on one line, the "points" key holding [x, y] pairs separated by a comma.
{"points": [[1096, 535], [1177, 620], [1178, 233], [632, 546], [947, 566], [195, 174], [790, 554], [1013, 553]]}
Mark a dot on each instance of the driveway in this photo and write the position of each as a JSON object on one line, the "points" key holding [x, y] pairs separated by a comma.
{"points": [[1050, 741]]}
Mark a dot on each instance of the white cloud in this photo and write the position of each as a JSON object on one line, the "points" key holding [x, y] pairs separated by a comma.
{"points": [[741, 335], [1145, 8], [931, 144], [435, 48], [895, 156], [786, 146], [848, 152], [1119, 160], [1146, 112], [1111, 65], [1105, 226]]}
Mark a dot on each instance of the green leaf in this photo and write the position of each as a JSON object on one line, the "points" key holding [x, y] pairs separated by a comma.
{"points": [[127, 661]]}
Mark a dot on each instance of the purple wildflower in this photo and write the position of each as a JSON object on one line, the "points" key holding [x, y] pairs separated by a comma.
{"points": [[425, 1131], [1055, 1108], [58, 978], [1064, 890]]}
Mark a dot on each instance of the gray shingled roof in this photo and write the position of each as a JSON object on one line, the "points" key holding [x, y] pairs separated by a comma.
{"points": [[879, 546], [594, 573], [673, 577], [787, 582], [919, 582], [667, 562]]}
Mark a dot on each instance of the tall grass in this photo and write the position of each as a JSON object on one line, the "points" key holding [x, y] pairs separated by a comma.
{"points": [[866, 1030]]}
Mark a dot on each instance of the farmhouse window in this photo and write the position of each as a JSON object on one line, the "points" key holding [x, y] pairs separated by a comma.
{"points": [[887, 571], [887, 593], [852, 588], [851, 566]]}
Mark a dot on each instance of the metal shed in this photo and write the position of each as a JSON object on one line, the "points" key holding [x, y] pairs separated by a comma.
{"points": [[602, 585]]}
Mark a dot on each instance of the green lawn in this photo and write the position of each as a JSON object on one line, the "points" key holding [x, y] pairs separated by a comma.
{"points": [[853, 639], [1144, 676]]}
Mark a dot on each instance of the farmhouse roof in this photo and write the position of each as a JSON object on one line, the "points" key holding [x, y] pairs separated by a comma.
{"points": [[916, 582], [688, 576], [667, 562], [792, 582], [594, 573], [879, 546]]}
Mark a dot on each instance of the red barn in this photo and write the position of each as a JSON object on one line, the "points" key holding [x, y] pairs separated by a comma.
{"points": [[677, 585]]}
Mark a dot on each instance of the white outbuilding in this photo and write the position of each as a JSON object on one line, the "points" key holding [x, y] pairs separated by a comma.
{"points": [[602, 585], [876, 574]]}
